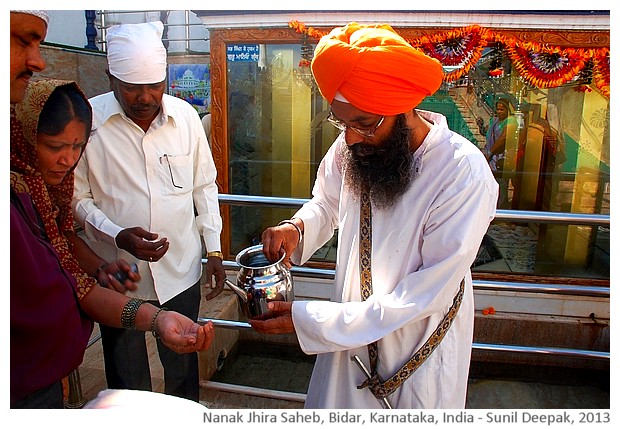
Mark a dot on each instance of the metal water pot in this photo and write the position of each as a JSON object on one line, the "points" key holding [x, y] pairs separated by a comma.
{"points": [[260, 281]]}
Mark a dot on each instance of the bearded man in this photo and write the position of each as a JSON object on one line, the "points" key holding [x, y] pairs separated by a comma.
{"points": [[411, 201]]}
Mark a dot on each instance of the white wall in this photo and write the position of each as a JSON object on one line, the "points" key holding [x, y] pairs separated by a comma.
{"points": [[67, 27]]}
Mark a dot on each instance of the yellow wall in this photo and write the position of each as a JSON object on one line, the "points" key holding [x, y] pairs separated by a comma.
{"points": [[301, 139]]}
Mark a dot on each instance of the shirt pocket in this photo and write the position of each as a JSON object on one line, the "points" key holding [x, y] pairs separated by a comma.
{"points": [[178, 173]]}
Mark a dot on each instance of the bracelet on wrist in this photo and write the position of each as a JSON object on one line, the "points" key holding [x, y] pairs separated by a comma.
{"points": [[159, 310], [290, 222], [130, 310], [216, 255]]}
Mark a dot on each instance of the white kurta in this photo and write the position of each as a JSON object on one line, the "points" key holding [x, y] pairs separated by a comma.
{"points": [[421, 250], [127, 178]]}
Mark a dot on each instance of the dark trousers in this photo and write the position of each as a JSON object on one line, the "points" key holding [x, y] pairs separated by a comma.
{"points": [[47, 397], [126, 357]]}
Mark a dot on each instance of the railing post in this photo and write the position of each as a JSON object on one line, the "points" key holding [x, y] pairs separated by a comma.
{"points": [[91, 30], [76, 399]]}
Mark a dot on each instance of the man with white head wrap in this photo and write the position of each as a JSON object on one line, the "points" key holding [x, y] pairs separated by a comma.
{"points": [[142, 178], [411, 201]]}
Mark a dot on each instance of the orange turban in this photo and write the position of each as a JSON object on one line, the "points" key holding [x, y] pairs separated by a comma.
{"points": [[374, 68]]}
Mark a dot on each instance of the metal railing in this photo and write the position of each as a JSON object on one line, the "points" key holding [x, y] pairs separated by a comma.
{"points": [[600, 292], [555, 289], [103, 25], [76, 399], [502, 215]]}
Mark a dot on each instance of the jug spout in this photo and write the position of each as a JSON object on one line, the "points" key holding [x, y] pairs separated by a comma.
{"points": [[236, 289]]}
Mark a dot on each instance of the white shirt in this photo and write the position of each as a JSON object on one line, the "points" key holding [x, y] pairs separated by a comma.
{"points": [[125, 179], [421, 250]]}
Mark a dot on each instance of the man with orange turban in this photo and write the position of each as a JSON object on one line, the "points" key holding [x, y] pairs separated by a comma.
{"points": [[411, 201]]}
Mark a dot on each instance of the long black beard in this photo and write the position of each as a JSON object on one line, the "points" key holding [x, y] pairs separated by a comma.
{"points": [[386, 169]]}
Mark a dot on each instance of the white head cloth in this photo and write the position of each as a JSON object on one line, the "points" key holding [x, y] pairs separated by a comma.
{"points": [[136, 53], [38, 13]]}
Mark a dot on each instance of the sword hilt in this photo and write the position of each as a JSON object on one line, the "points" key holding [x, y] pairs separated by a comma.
{"points": [[384, 401]]}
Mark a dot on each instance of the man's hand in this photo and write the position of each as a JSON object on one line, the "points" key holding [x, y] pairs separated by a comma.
{"points": [[183, 335], [141, 244], [107, 279], [214, 268], [278, 320], [281, 239]]}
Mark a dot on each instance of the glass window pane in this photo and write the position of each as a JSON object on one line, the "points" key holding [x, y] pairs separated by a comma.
{"points": [[276, 133], [552, 155]]}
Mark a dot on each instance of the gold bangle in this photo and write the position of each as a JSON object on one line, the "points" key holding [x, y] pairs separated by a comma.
{"points": [[216, 254]]}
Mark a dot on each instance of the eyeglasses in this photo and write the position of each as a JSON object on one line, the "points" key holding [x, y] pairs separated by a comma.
{"points": [[169, 169], [343, 127]]}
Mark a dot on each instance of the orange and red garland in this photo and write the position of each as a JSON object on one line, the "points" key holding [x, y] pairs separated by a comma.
{"points": [[460, 48], [539, 65]]}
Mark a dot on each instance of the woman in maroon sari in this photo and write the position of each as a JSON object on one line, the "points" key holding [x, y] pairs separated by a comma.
{"points": [[56, 280]]}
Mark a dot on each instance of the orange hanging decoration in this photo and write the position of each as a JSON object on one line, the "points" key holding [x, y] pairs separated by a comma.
{"points": [[602, 72], [460, 48], [301, 28], [547, 68], [539, 65]]}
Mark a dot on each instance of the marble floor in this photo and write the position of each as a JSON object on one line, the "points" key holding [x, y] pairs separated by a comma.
{"points": [[512, 249]]}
